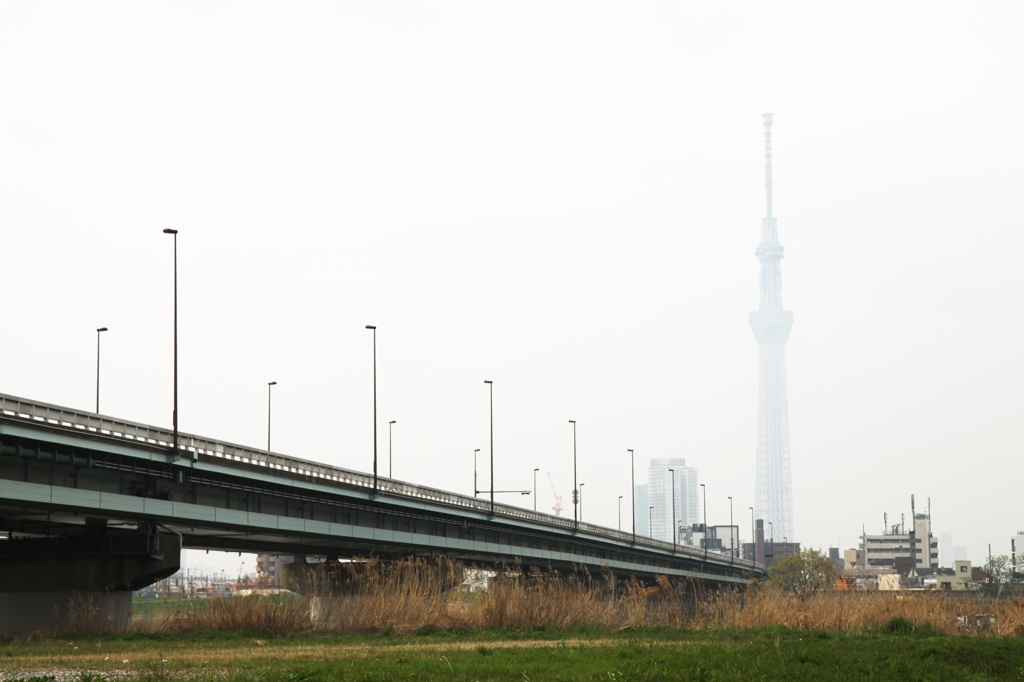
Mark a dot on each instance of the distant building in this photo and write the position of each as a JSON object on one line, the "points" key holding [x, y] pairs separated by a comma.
{"points": [[854, 560], [946, 557], [833, 557], [1017, 551], [902, 549], [773, 551], [268, 569], [660, 496], [724, 539], [642, 511], [959, 578]]}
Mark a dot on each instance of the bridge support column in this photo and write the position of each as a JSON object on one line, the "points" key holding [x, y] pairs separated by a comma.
{"points": [[318, 582], [79, 583]]}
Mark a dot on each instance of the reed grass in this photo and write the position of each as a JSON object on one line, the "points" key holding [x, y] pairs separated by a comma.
{"points": [[425, 594]]}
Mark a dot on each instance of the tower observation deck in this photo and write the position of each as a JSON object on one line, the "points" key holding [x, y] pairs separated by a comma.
{"points": [[773, 495]]}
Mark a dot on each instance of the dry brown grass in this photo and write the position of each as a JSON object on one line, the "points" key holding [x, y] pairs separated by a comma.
{"points": [[943, 612], [418, 594], [518, 599], [252, 612]]}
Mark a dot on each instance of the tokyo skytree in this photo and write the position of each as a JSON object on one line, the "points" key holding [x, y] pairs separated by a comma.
{"points": [[773, 491]]}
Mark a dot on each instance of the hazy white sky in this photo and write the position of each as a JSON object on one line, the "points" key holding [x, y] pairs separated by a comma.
{"points": [[563, 197]]}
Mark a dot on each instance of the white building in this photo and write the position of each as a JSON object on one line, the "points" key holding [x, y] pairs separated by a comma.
{"points": [[901, 548], [660, 495]]}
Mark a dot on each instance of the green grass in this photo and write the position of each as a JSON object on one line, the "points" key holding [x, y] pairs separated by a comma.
{"points": [[775, 653]]}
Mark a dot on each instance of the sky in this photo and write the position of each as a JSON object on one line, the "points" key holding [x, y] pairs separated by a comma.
{"points": [[561, 197]]}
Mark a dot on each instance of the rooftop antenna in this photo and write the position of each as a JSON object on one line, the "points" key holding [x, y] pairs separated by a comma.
{"points": [[913, 512], [929, 509], [885, 520]]}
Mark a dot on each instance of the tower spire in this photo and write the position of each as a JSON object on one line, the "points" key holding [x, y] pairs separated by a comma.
{"points": [[768, 166]]}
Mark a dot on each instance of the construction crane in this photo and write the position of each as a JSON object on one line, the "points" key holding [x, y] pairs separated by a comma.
{"points": [[558, 498]]}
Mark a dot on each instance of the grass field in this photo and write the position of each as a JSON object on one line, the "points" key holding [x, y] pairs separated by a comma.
{"points": [[776, 653], [409, 620]]}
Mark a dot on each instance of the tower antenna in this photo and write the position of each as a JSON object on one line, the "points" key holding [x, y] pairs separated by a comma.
{"points": [[768, 165]]}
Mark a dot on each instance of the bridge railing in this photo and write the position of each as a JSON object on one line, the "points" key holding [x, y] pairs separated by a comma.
{"points": [[197, 448]]}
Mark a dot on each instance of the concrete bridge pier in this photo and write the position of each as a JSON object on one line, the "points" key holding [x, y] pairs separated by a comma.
{"points": [[79, 584], [318, 583]]}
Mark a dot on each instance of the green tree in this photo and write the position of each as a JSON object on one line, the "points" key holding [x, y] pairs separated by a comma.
{"points": [[804, 573]]}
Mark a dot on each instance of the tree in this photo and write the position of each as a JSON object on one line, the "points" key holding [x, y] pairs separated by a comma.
{"points": [[804, 573], [996, 572]]}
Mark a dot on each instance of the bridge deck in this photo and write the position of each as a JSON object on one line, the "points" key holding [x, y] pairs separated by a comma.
{"points": [[59, 467]]}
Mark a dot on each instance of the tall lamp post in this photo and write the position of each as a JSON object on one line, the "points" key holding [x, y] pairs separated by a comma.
{"points": [[632, 484], [575, 488], [535, 489], [269, 385], [373, 328], [753, 537], [390, 424], [771, 530], [490, 385], [98, 332], [650, 521], [620, 512], [476, 487], [704, 492], [174, 414], [675, 530]]}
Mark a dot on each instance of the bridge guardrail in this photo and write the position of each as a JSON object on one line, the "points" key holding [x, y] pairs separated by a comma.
{"points": [[198, 447]]}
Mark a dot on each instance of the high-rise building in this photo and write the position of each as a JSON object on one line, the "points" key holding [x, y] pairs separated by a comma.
{"points": [[773, 494], [660, 495], [642, 510]]}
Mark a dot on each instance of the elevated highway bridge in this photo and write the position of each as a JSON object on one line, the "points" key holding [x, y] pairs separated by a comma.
{"points": [[99, 506]]}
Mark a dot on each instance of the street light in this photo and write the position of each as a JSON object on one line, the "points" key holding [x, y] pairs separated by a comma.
{"points": [[535, 489], [174, 414], [269, 384], [98, 331], [490, 384], [753, 537], [650, 521], [390, 424], [704, 491], [620, 512], [476, 488], [771, 530], [575, 490], [374, 330], [675, 530], [632, 483]]}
